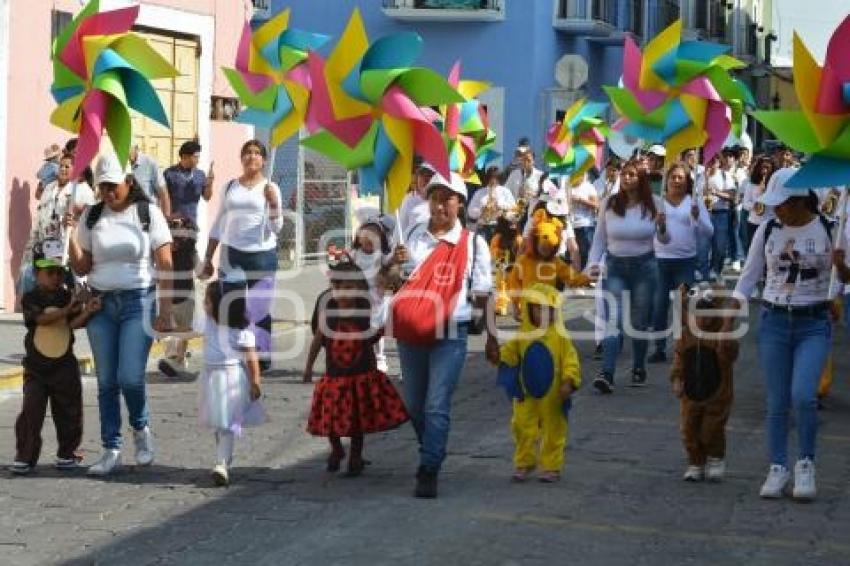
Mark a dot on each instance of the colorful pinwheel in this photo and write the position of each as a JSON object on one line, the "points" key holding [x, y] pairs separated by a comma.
{"points": [[466, 128], [680, 93], [271, 76], [100, 71], [822, 126], [373, 107], [577, 143]]}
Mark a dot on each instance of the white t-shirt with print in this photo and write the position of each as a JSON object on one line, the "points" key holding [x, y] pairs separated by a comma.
{"points": [[798, 260], [53, 206], [122, 252]]}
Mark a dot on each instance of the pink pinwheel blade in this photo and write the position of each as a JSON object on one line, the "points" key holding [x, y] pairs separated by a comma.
{"points": [[467, 145], [702, 88], [718, 124], [427, 140], [243, 52], [104, 23], [321, 114], [836, 72], [454, 75], [632, 61], [92, 121]]}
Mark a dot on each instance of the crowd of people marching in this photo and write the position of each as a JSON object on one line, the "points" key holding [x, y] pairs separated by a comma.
{"points": [[114, 251]]}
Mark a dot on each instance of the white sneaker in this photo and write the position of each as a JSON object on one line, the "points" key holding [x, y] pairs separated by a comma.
{"points": [[108, 461], [736, 266], [144, 446], [715, 469], [777, 478], [693, 473], [804, 480], [220, 476]]}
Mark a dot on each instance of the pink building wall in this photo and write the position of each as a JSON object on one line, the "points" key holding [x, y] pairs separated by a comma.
{"points": [[30, 105]]}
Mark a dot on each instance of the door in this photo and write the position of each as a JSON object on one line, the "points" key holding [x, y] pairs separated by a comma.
{"points": [[179, 97]]}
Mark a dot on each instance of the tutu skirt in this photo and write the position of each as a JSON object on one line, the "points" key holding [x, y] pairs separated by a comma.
{"points": [[225, 399], [355, 404]]}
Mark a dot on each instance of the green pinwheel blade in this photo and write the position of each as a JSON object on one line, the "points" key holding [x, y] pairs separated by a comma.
{"points": [[263, 100], [65, 35], [687, 69], [349, 157], [144, 58], [792, 127], [624, 101], [120, 128], [428, 88], [290, 58], [110, 83], [63, 77], [375, 82], [840, 146]]}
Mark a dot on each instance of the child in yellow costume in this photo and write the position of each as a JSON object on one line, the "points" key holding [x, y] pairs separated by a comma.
{"points": [[540, 263], [504, 247], [540, 370]]}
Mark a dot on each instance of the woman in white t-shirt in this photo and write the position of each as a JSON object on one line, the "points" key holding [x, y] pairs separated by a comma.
{"points": [[757, 211], [247, 225], [625, 234], [123, 245], [795, 251], [687, 222], [584, 206], [60, 198]]}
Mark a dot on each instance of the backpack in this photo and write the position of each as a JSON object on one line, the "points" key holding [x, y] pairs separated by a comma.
{"points": [[143, 207]]}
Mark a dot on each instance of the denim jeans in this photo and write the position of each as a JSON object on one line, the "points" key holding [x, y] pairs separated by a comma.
{"points": [[793, 352], [743, 237], [120, 341], [704, 256], [260, 269], [630, 281], [431, 374], [722, 222], [672, 273], [584, 239]]}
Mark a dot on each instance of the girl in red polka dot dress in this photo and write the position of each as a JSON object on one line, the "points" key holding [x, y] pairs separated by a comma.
{"points": [[353, 398]]}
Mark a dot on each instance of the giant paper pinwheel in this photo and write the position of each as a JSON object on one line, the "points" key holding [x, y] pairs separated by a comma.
{"points": [[680, 93], [577, 143], [466, 128], [373, 107], [271, 76], [822, 126], [100, 72]]}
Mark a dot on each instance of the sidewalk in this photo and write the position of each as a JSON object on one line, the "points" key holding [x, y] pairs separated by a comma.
{"points": [[296, 293]]}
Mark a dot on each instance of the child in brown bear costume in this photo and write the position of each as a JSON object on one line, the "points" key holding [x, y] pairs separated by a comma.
{"points": [[702, 379]]}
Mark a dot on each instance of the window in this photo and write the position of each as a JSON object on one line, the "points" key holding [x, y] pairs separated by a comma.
{"points": [[58, 21]]}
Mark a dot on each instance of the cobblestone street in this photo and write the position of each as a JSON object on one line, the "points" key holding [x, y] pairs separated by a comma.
{"points": [[621, 500]]}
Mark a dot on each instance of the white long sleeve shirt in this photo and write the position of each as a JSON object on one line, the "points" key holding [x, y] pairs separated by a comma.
{"points": [[683, 229], [414, 210], [752, 193], [522, 186], [501, 195], [630, 235], [798, 264]]}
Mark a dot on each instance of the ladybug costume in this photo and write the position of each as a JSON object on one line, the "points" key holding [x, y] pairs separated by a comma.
{"points": [[353, 397]]}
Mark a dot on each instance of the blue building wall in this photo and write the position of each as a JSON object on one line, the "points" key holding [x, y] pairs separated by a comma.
{"points": [[518, 53]]}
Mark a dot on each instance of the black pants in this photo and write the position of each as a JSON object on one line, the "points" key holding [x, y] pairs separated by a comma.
{"points": [[61, 386]]}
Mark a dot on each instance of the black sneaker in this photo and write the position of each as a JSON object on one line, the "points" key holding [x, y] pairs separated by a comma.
{"points": [[604, 382], [426, 483], [168, 368], [638, 377], [597, 353], [657, 357], [20, 468]]}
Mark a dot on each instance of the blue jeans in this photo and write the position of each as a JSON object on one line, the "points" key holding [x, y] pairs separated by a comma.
{"points": [[672, 273], [120, 343], [632, 281], [722, 222], [703, 256], [584, 239], [260, 269], [793, 352], [431, 374], [743, 234]]}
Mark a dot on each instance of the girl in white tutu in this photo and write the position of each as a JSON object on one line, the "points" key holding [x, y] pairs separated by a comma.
{"points": [[230, 381]]}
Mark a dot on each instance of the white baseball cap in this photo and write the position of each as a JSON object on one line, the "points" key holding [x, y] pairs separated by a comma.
{"points": [[109, 170], [777, 190], [658, 150], [455, 183]]}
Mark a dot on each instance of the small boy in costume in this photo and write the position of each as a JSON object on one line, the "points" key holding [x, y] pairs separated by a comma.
{"points": [[702, 379], [539, 369], [504, 248]]}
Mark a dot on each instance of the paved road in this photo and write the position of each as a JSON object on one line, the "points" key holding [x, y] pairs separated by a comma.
{"points": [[621, 500]]}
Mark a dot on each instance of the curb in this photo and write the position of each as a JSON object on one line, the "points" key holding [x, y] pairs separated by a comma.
{"points": [[12, 378]]}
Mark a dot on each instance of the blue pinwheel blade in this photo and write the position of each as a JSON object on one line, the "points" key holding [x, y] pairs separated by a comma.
{"points": [[395, 51], [141, 96], [303, 40]]}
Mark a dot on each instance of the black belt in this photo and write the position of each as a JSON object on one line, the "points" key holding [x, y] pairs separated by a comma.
{"points": [[816, 309]]}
